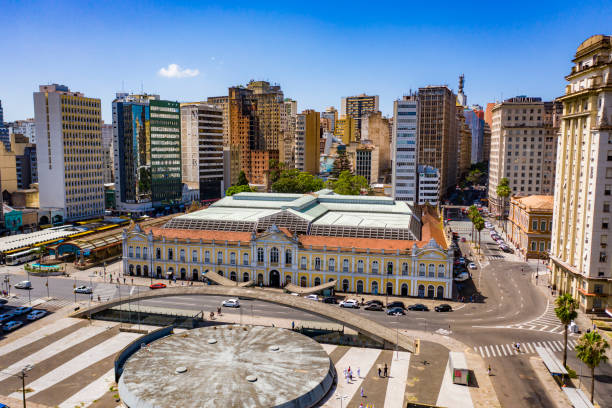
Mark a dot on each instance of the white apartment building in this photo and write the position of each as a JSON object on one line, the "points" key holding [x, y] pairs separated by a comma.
{"points": [[24, 127], [404, 149], [202, 148], [581, 261], [523, 148], [429, 185], [69, 152]]}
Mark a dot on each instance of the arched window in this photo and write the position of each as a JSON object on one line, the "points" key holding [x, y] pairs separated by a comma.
{"points": [[375, 287], [303, 282], [430, 291], [245, 258], [130, 252], [422, 270], [389, 288], [404, 289], [440, 292], [207, 256], [194, 256], [183, 274], [233, 276], [274, 255], [345, 285], [145, 252], [145, 270], [288, 257], [303, 263], [137, 252], [245, 277], [157, 253], [182, 255], [405, 268], [331, 264], [421, 291], [260, 255], [431, 270], [137, 270], [220, 273], [317, 281], [389, 268], [158, 271], [287, 279], [345, 265], [194, 275], [131, 269], [360, 266], [375, 267], [440, 271], [360, 286], [233, 258], [170, 254], [317, 263], [219, 258]]}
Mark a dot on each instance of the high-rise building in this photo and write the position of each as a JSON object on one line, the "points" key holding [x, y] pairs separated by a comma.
{"points": [[474, 117], [147, 150], [286, 149], [223, 103], [464, 148], [437, 145], [429, 185], [357, 107], [25, 160], [346, 129], [24, 127], [375, 129], [307, 141], [8, 171], [108, 153], [202, 148], [4, 131], [523, 148], [404, 148], [364, 157], [69, 152], [486, 142], [331, 116], [580, 257]]}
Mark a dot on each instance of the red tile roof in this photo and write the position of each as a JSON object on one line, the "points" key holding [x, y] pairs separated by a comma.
{"points": [[196, 235]]}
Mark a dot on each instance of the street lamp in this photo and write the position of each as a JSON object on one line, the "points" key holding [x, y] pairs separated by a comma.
{"points": [[338, 397]]}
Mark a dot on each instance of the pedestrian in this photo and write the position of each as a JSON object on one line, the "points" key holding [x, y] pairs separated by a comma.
{"points": [[98, 298], [361, 392], [132, 281], [379, 371], [358, 372], [292, 325], [385, 370], [124, 280], [219, 311], [489, 370]]}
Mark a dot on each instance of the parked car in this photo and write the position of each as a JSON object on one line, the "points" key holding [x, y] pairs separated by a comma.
{"points": [[312, 297], [350, 303], [36, 314], [396, 304], [443, 308], [83, 289], [462, 260], [231, 303], [157, 285], [22, 310], [418, 307], [3, 302], [472, 265], [24, 285], [463, 276], [396, 311], [330, 299], [506, 248], [376, 307], [463, 239], [369, 302], [6, 316], [12, 325]]}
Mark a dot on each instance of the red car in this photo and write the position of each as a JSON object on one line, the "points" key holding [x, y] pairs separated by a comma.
{"points": [[157, 286]]}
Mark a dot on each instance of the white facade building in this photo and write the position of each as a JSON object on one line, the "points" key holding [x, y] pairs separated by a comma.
{"points": [[404, 148], [429, 185], [24, 127]]}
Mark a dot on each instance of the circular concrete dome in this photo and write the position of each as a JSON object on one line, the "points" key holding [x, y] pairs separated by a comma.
{"points": [[246, 367]]}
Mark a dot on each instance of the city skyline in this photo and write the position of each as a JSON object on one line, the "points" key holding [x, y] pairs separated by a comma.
{"points": [[268, 42]]}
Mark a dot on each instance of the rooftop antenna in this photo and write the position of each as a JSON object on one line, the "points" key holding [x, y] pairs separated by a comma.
{"points": [[141, 88]]}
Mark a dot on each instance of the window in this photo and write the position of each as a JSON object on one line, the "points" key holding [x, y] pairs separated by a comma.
{"points": [[137, 252], [331, 264], [431, 271], [145, 252], [219, 257], [598, 289], [404, 268], [604, 223], [440, 271], [194, 256], [609, 172], [170, 254], [542, 246], [207, 256], [345, 265], [157, 253], [603, 257], [182, 255], [317, 263], [534, 225], [606, 207], [130, 252], [607, 189], [542, 225], [303, 262], [274, 255], [260, 255], [609, 155], [534, 246], [375, 267], [232, 258], [360, 266], [245, 259], [389, 268], [421, 269], [288, 257]]}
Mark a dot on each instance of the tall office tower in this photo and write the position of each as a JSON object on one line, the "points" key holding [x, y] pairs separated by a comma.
{"points": [[331, 116], [357, 107], [375, 128], [69, 152], [25, 160], [108, 153], [269, 100], [243, 132], [4, 131], [523, 148], [223, 103], [286, 149], [437, 145], [486, 142], [147, 150], [429, 185], [474, 117], [307, 141], [464, 148], [404, 148], [202, 148], [346, 130], [580, 259]]}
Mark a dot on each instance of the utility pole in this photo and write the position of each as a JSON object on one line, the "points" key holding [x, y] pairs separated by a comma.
{"points": [[47, 285], [74, 289], [29, 290]]}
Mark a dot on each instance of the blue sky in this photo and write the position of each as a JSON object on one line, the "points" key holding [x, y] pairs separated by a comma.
{"points": [[317, 51]]}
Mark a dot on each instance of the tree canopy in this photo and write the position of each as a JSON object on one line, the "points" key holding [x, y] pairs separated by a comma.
{"points": [[295, 181], [238, 189], [591, 350], [341, 163], [348, 184], [242, 180], [503, 189]]}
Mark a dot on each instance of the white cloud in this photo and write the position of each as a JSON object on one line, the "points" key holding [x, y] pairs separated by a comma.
{"points": [[175, 71]]}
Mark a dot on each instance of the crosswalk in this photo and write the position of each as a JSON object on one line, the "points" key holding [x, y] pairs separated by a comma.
{"points": [[508, 350], [105, 291], [495, 257], [547, 322]]}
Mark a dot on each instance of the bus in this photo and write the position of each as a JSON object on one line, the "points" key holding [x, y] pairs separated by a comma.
{"points": [[21, 257]]}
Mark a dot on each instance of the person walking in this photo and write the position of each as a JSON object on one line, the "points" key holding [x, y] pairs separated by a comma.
{"points": [[361, 392], [385, 370], [358, 372], [379, 371], [489, 370]]}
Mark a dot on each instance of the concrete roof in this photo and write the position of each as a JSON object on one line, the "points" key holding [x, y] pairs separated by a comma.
{"points": [[25, 240], [537, 202]]}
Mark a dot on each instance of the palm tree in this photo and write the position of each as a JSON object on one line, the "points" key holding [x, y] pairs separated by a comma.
{"points": [[591, 350], [472, 214], [479, 224], [566, 312], [42, 251], [503, 192]]}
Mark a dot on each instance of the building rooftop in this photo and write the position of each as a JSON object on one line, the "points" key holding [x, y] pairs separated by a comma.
{"points": [[536, 202]]}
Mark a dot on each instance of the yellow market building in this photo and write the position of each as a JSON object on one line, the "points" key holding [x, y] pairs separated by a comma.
{"points": [[366, 244]]}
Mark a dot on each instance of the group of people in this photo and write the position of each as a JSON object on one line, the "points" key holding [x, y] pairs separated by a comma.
{"points": [[384, 371], [348, 374]]}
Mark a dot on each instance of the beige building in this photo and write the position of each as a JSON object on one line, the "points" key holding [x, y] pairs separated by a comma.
{"points": [[464, 148], [523, 148], [223, 103], [286, 149], [8, 170], [346, 129], [365, 160], [580, 258], [486, 142], [307, 141], [357, 107], [375, 130], [530, 224]]}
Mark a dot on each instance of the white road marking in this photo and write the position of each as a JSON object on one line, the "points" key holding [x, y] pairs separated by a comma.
{"points": [[91, 392], [396, 386], [45, 331]]}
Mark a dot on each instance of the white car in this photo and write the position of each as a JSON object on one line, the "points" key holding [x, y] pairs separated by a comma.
{"points": [[312, 297], [351, 303], [231, 303], [463, 276], [36, 314], [83, 289], [472, 265], [24, 285]]}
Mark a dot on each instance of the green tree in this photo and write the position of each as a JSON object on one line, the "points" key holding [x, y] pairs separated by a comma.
{"points": [[472, 213], [591, 350], [474, 176], [41, 251], [295, 181], [242, 180], [276, 169], [238, 189], [503, 191], [479, 224], [341, 163], [565, 310], [348, 184]]}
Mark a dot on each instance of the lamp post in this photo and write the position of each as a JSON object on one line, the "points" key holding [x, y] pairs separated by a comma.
{"points": [[338, 397]]}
